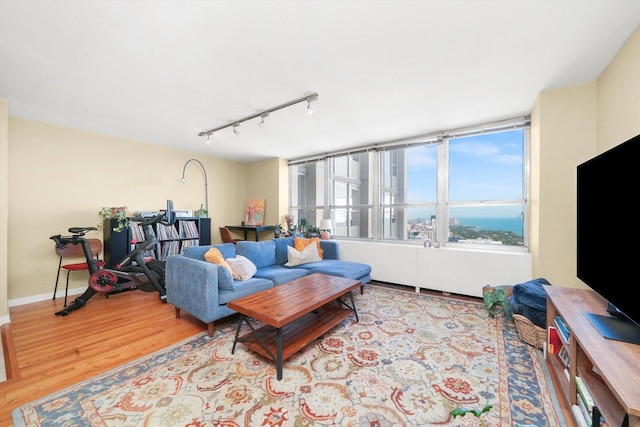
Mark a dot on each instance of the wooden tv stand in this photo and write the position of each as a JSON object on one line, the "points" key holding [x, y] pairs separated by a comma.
{"points": [[610, 369]]}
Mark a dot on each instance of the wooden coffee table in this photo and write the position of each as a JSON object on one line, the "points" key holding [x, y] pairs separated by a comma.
{"points": [[294, 313]]}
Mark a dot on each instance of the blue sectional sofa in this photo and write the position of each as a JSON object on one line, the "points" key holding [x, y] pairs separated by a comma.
{"points": [[203, 289]]}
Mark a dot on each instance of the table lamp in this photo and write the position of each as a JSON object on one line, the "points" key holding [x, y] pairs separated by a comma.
{"points": [[325, 228]]}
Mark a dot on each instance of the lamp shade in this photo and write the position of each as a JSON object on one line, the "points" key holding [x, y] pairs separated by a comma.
{"points": [[325, 224]]}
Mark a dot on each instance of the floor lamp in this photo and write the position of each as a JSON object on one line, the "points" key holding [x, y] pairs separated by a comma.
{"points": [[206, 189]]}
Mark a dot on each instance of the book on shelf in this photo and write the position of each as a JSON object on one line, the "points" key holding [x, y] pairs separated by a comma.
{"points": [[553, 340], [167, 232], [169, 248], [187, 243], [577, 414], [585, 412], [188, 229], [138, 236], [562, 326], [584, 394]]}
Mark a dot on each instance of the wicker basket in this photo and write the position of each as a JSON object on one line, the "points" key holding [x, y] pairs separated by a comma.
{"points": [[530, 333]]}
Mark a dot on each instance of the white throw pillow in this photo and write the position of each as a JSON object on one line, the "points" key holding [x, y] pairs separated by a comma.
{"points": [[242, 267], [308, 254]]}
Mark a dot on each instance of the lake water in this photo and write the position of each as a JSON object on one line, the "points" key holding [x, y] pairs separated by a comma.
{"points": [[495, 224]]}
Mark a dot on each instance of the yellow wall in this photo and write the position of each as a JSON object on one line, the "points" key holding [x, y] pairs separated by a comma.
{"points": [[566, 122], [569, 126], [619, 96], [266, 180], [264, 183], [60, 177], [4, 196]]}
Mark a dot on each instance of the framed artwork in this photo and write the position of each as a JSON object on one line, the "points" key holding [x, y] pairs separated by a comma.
{"points": [[255, 212]]}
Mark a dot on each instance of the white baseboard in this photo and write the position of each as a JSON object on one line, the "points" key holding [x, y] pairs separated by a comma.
{"points": [[43, 297]]}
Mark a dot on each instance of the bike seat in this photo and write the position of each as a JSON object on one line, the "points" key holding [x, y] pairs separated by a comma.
{"points": [[81, 230]]}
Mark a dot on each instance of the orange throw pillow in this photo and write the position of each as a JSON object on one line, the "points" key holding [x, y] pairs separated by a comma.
{"points": [[215, 256], [299, 244]]}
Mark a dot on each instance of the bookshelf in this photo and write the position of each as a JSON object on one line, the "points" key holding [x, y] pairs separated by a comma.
{"points": [[186, 231], [610, 369]]}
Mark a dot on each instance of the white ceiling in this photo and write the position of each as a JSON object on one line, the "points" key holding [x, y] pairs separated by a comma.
{"points": [[162, 71]]}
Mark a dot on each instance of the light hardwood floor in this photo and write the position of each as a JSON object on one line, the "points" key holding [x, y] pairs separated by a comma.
{"points": [[53, 352]]}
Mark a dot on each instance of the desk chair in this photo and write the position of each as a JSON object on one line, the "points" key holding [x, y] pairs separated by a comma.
{"points": [[227, 237], [75, 251]]}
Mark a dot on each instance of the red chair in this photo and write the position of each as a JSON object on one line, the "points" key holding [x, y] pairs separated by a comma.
{"points": [[75, 251]]}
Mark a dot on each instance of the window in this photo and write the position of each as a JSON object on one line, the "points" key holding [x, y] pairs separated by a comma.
{"points": [[408, 193], [486, 189], [350, 207], [465, 190], [307, 192]]}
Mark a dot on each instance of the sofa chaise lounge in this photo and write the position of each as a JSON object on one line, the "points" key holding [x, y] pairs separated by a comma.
{"points": [[203, 288]]}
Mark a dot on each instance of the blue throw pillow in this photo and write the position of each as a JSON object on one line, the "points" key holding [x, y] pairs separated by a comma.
{"points": [[281, 249], [261, 254], [225, 280]]}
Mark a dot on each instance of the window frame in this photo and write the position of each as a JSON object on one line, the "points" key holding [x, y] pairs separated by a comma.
{"points": [[442, 205]]}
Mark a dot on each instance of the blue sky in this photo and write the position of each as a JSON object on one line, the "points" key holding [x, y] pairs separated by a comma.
{"points": [[482, 167]]}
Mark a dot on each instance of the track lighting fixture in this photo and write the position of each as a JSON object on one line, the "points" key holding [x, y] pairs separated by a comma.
{"points": [[263, 114], [208, 142]]}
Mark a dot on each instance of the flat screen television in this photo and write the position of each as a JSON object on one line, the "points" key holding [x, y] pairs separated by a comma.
{"points": [[608, 248]]}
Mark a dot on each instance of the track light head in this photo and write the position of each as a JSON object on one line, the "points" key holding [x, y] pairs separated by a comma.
{"points": [[235, 129], [262, 117], [311, 99]]}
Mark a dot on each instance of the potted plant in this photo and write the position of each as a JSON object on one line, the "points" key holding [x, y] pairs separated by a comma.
{"points": [[313, 231], [303, 226], [119, 213], [201, 213]]}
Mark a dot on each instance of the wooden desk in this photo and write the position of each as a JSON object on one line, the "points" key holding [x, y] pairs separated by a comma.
{"points": [[253, 228]]}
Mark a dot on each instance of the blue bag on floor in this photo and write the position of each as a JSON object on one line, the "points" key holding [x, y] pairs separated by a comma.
{"points": [[532, 294]]}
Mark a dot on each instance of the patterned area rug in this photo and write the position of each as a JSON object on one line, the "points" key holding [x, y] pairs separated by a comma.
{"points": [[409, 361]]}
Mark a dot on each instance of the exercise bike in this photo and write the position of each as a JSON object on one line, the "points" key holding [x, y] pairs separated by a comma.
{"points": [[135, 271]]}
